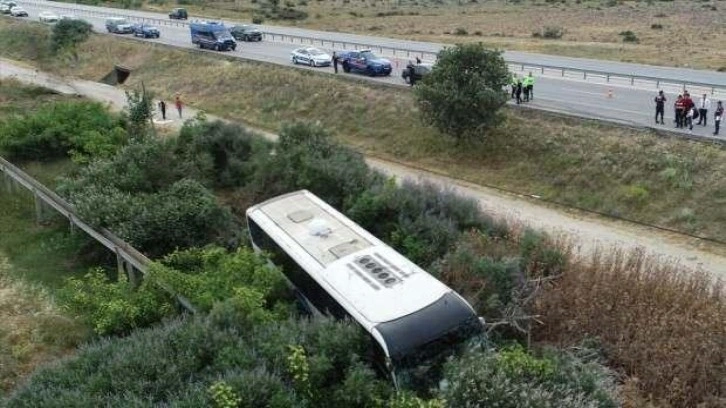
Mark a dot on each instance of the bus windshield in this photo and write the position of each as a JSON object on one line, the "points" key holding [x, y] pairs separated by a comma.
{"points": [[421, 369], [420, 342]]}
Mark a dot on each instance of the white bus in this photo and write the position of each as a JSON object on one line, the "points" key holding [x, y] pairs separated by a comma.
{"points": [[339, 269]]}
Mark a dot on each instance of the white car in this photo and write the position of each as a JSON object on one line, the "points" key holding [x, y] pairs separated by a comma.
{"points": [[311, 56], [18, 12], [48, 17]]}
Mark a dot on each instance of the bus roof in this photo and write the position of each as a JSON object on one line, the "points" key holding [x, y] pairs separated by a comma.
{"points": [[360, 271]]}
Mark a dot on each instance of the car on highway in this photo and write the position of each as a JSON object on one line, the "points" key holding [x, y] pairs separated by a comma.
{"points": [[18, 11], [119, 25], [419, 72], [146, 31], [311, 56], [48, 17], [212, 35], [178, 14], [365, 62], [245, 32]]}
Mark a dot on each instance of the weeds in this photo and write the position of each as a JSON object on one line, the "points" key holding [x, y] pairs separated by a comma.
{"points": [[655, 320]]}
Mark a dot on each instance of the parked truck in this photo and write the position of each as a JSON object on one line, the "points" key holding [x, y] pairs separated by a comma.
{"points": [[212, 35]]}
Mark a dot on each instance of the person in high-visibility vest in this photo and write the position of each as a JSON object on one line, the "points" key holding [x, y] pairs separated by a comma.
{"points": [[513, 83], [529, 83]]}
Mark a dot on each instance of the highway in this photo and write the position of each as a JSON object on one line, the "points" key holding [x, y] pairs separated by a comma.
{"points": [[617, 101]]}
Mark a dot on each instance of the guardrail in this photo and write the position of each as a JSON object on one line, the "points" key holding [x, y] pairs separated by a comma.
{"points": [[128, 259], [398, 52]]}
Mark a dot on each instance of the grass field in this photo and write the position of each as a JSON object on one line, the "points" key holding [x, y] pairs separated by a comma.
{"points": [[34, 260], [671, 33], [624, 172]]}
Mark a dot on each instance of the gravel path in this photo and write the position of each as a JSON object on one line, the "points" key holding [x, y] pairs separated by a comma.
{"points": [[588, 232]]}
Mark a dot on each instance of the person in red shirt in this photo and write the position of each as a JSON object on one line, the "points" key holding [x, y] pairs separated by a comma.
{"points": [[680, 110]]}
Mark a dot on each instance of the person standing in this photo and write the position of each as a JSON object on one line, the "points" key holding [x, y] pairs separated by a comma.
{"points": [[518, 91], [704, 104], [660, 101], [679, 109], [162, 108], [690, 114], [513, 82], [530, 86], [179, 105], [335, 62], [411, 74], [717, 116], [525, 88]]}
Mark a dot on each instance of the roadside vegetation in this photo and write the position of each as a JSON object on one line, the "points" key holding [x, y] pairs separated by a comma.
{"points": [[530, 287], [663, 32], [632, 174]]}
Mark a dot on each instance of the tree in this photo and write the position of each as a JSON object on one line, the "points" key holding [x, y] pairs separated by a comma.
{"points": [[67, 34], [463, 94], [140, 113]]}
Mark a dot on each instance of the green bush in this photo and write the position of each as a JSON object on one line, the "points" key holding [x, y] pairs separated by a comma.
{"points": [[210, 275], [141, 195], [81, 130], [235, 285], [306, 157], [422, 221], [114, 307], [513, 378], [224, 154], [67, 34], [629, 36], [177, 363]]}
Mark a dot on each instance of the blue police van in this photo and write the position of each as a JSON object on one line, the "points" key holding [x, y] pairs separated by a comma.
{"points": [[212, 35]]}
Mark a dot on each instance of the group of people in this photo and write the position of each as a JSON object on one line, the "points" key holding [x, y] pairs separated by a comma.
{"points": [[687, 110], [519, 85], [177, 102]]}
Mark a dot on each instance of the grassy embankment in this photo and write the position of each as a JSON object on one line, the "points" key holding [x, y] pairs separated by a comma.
{"points": [[624, 172], [665, 33], [33, 261]]}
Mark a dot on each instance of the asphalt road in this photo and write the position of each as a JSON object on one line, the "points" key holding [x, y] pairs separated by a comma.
{"points": [[592, 98]]}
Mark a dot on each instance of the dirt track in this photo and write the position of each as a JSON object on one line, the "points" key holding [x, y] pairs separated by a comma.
{"points": [[586, 231]]}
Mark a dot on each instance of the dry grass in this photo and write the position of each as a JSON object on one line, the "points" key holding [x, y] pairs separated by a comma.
{"points": [[663, 325], [591, 27], [33, 330], [618, 171]]}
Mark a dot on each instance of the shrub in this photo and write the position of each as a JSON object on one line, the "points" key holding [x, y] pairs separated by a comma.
{"points": [[81, 130], [420, 220], [257, 20], [68, 34], [629, 36], [114, 307], [645, 314], [225, 155], [206, 276], [656, 26], [465, 76], [140, 195], [175, 364], [461, 31], [513, 378], [307, 158]]}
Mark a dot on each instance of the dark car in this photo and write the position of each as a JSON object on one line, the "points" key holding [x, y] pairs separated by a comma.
{"points": [[146, 31], [178, 14], [245, 33], [419, 72], [364, 61]]}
